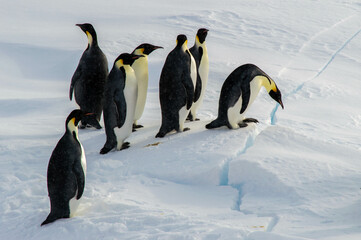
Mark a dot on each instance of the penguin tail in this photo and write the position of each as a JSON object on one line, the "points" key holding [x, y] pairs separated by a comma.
{"points": [[51, 218], [215, 124]]}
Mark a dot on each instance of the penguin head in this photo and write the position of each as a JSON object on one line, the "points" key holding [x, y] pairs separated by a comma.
{"points": [[73, 119], [181, 41], [126, 59], [89, 31], [145, 49], [202, 34], [275, 93]]}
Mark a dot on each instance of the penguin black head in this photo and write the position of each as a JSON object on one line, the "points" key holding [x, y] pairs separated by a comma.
{"points": [[126, 59], [276, 95], [89, 31], [181, 39], [74, 118], [145, 48], [202, 34]]}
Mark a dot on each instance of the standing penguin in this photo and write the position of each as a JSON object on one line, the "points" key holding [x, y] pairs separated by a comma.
{"points": [[89, 79], [176, 87], [66, 171], [200, 54], [140, 67], [120, 99], [238, 92]]}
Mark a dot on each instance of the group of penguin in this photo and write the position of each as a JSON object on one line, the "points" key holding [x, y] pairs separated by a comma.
{"points": [[121, 95]]}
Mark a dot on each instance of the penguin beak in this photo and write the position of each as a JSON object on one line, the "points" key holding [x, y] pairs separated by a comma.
{"points": [[280, 102], [156, 47]]}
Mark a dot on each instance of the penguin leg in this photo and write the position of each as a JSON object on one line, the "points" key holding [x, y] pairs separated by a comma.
{"points": [[250, 120]]}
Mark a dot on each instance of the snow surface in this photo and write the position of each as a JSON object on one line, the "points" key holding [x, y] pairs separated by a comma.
{"points": [[295, 175]]}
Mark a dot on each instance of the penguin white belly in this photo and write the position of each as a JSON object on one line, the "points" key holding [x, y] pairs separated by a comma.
{"points": [[74, 203], [183, 113], [203, 71], [141, 72], [234, 113], [193, 70], [130, 93]]}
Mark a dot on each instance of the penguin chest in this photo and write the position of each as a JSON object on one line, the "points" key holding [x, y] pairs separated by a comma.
{"points": [[203, 69], [234, 113], [193, 71], [130, 94], [141, 72]]}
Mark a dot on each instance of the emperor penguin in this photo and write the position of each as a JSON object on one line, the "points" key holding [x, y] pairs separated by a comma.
{"points": [[176, 87], [89, 79], [66, 171], [120, 99], [140, 67], [200, 54], [238, 92]]}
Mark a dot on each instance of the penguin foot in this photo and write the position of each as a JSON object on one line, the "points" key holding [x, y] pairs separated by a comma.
{"points": [[250, 120], [125, 145], [137, 126], [242, 124], [186, 129]]}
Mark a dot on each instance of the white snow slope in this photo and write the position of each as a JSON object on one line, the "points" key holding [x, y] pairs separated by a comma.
{"points": [[295, 175]]}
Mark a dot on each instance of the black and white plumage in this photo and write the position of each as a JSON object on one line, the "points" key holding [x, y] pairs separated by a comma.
{"points": [[176, 87], [66, 171], [238, 92], [200, 54], [89, 78], [140, 67], [120, 100]]}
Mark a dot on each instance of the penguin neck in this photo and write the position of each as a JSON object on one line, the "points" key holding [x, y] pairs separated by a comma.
{"points": [[140, 51], [268, 83], [184, 47], [92, 40], [198, 43], [71, 128]]}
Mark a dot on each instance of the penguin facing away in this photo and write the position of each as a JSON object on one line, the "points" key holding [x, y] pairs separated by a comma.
{"points": [[89, 79], [176, 87], [120, 100], [238, 92], [66, 171], [140, 67], [200, 54]]}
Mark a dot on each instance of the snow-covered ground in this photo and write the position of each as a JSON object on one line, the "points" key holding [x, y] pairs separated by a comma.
{"points": [[295, 175]]}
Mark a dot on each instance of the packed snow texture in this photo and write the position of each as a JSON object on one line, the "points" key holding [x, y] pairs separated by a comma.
{"points": [[295, 175]]}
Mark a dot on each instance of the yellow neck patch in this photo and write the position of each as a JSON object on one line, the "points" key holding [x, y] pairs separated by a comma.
{"points": [[90, 38], [119, 63]]}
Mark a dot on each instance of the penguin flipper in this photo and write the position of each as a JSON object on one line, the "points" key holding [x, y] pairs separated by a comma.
{"points": [[246, 94], [121, 108], [80, 178], [197, 92], [77, 74], [188, 83]]}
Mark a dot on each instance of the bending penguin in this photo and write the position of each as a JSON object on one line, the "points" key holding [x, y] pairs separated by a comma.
{"points": [[89, 79], [140, 67], [238, 92], [176, 87], [120, 99], [200, 54], [66, 171]]}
